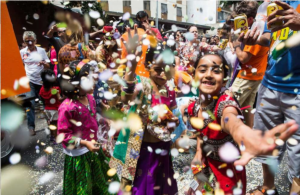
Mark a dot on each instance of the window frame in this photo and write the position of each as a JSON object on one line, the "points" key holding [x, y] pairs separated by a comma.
{"points": [[166, 5]]}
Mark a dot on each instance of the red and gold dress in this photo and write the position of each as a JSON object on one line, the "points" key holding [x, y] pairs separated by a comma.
{"points": [[215, 139]]}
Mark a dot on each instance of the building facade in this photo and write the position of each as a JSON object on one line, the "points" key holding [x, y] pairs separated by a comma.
{"points": [[167, 9]]}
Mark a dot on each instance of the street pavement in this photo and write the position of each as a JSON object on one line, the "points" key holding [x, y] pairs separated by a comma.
{"points": [[55, 163]]}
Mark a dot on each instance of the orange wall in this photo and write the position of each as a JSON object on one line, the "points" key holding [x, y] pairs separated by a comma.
{"points": [[11, 63]]}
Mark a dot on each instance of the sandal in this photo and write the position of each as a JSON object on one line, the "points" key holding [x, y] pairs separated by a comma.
{"points": [[262, 190]]}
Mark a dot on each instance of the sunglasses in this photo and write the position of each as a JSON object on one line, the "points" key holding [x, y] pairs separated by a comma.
{"points": [[28, 41], [61, 31]]}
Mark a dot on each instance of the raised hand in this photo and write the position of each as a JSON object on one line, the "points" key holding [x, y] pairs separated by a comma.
{"points": [[257, 144], [288, 15]]}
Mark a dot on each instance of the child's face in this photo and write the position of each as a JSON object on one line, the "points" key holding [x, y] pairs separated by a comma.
{"points": [[210, 74], [157, 74]]}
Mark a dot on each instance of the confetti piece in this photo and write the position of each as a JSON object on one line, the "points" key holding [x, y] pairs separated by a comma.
{"points": [[150, 149], [279, 142], [15, 158], [294, 107], [293, 41], [229, 173], [214, 126], [114, 187], [222, 166], [197, 122], [174, 152], [287, 77], [228, 152], [49, 150], [243, 108], [52, 127], [215, 97], [181, 150], [60, 137], [94, 14], [292, 141], [36, 16], [239, 167], [111, 172], [185, 89]]}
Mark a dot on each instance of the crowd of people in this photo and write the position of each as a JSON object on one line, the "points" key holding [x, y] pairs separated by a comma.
{"points": [[125, 99]]}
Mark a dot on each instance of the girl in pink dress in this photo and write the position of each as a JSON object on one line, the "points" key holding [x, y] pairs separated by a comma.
{"points": [[84, 168]]}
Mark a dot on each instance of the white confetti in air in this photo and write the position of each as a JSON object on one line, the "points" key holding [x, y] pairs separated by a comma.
{"points": [[158, 151], [176, 175], [253, 111], [126, 16], [229, 173], [279, 142], [174, 152], [185, 89], [237, 191], [198, 192], [254, 70], [100, 22], [46, 178], [108, 95], [36, 16], [205, 115], [270, 192], [228, 152], [146, 42], [52, 101], [94, 14], [292, 141], [41, 162], [170, 42], [60, 137], [130, 56], [15, 158], [239, 167], [114, 187], [174, 28], [139, 86], [189, 36], [111, 132], [86, 83], [90, 5], [16, 84], [150, 149], [105, 75]]}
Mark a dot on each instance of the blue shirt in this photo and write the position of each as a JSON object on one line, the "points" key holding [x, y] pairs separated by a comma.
{"points": [[283, 70]]}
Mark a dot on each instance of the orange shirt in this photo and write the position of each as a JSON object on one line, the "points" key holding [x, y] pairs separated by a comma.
{"points": [[258, 60], [140, 69]]}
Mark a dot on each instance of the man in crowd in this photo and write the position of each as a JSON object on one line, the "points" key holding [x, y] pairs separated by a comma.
{"points": [[35, 60], [253, 59], [279, 95]]}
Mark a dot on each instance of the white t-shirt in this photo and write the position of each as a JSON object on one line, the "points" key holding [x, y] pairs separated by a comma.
{"points": [[31, 61]]}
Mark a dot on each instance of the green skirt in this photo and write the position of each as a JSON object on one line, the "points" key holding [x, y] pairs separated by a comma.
{"points": [[86, 174]]}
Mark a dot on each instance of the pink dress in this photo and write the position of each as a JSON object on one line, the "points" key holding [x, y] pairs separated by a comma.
{"points": [[77, 120], [52, 57]]}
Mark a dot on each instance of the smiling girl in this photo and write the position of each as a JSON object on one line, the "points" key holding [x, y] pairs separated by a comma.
{"points": [[221, 118]]}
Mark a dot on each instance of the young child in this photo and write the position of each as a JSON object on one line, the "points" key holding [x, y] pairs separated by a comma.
{"points": [[52, 99], [210, 71], [85, 167], [144, 162]]}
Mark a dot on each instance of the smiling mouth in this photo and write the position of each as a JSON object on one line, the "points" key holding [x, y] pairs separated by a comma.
{"points": [[209, 83]]}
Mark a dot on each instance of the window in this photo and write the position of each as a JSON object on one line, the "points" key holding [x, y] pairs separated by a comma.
{"points": [[222, 15], [146, 5], [164, 8], [179, 12], [126, 3]]}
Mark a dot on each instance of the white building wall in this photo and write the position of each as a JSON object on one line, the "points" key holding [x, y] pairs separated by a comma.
{"points": [[209, 10], [115, 6], [136, 6]]}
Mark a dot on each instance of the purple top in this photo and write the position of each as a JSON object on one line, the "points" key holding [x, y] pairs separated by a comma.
{"points": [[73, 109]]}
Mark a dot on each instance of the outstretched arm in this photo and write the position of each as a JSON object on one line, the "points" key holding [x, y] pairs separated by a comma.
{"points": [[254, 141]]}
